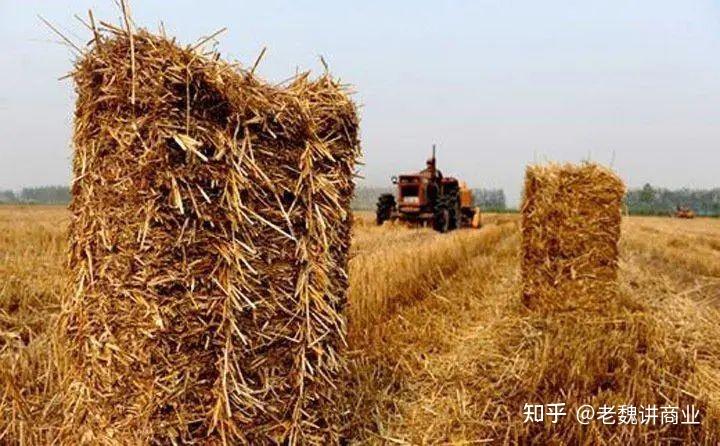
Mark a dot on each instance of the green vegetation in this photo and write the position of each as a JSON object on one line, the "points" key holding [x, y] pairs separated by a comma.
{"points": [[647, 200], [37, 195], [650, 200]]}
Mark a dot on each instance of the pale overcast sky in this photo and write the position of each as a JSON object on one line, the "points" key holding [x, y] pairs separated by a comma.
{"points": [[496, 84]]}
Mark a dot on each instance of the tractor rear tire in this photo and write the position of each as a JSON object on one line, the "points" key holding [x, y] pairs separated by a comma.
{"points": [[455, 210], [443, 214], [385, 208]]}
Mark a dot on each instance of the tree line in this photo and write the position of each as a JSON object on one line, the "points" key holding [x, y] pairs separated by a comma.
{"points": [[650, 200], [490, 199], [647, 200], [36, 195]]}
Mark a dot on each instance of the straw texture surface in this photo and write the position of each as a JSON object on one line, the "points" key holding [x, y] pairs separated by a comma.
{"points": [[571, 217], [208, 247]]}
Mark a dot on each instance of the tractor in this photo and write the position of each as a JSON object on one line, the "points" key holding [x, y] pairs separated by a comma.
{"points": [[428, 198], [684, 212]]}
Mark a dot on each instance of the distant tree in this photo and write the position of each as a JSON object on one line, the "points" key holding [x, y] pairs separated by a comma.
{"points": [[366, 197], [46, 195], [490, 199], [7, 196], [658, 201], [647, 194]]}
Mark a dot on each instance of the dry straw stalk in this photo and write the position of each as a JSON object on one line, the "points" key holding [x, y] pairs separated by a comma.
{"points": [[571, 217], [208, 246]]}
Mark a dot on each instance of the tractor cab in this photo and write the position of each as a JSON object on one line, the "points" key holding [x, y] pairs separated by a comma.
{"points": [[418, 192]]}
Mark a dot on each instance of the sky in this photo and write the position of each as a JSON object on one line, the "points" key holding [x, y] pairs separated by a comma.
{"points": [[495, 84]]}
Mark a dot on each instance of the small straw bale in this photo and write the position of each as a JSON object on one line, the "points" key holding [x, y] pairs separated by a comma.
{"points": [[571, 217], [208, 246]]}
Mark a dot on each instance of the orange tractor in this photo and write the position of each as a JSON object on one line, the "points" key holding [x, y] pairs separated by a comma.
{"points": [[428, 198], [684, 212]]}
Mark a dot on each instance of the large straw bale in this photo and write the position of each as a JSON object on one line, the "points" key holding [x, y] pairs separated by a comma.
{"points": [[571, 218], [209, 238]]}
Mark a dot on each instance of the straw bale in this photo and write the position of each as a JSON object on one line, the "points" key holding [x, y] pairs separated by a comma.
{"points": [[208, 246], [571, 217]]}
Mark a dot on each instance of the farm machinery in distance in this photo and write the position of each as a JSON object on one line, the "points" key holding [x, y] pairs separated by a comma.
{"points": [[684, 212], [427, 198]]}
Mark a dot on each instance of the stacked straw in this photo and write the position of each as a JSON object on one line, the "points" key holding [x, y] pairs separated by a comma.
{"points": [[571, 218], [208, 243]]}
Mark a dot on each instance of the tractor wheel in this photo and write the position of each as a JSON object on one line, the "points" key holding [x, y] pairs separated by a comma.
{"points": [[442, 218], [385, 207], [455, 211]]}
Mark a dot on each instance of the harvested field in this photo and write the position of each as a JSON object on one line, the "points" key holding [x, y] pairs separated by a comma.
{"points": [[442, 349]]}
